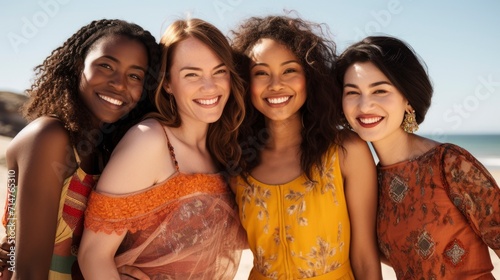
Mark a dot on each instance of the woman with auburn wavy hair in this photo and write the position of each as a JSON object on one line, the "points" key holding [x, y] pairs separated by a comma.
{"points": [[162, 203]]}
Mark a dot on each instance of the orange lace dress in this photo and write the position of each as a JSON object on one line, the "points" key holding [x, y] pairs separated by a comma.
{"points": [[184, 228], [437, 216], [300, 229]]}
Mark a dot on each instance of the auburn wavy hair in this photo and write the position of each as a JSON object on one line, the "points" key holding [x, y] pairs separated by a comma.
{"points": [[55, 90], [222, 135], [311, 44]]}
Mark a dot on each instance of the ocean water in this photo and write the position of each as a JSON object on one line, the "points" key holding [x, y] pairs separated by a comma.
{"points": [[486, 148]]}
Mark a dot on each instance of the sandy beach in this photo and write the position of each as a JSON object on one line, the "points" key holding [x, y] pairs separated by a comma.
{"points": [[247, 259]]}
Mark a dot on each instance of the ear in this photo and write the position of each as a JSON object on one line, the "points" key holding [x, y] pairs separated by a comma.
{"points": [[409, 108], [166, 87]]}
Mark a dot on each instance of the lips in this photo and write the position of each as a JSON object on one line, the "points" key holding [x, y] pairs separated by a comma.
{"points": [[207, 102], [369, 121], [278, 100], [111, 100]]}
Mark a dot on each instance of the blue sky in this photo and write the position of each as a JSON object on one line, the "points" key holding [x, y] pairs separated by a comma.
{"points": [[459, 40]]}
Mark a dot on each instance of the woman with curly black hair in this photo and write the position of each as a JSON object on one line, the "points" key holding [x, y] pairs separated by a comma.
{"points": [[85, 95], [307, 190]]}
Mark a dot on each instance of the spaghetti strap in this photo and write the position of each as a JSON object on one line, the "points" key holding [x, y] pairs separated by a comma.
{"points": [[171, 150], [77, 157]]}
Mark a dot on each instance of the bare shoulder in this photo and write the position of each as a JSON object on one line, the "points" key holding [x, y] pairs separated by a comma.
{"points": [[142, 154], [355, 153], [45, 133], [352, 143]]}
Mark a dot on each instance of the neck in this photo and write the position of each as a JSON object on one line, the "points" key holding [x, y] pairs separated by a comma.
{"points": [[191, 135], [284, 134], [394, 148], [401, 146]]}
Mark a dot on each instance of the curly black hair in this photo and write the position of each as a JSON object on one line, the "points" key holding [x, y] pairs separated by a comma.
{"points": [[311, 44], [55, 90]]}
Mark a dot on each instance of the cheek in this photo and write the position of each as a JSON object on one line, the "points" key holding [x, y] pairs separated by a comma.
{"points": [[136, 93], [226, 84], [347, 105], [254, 97]]}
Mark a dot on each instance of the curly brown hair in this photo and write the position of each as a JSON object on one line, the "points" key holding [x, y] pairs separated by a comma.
{"points": [[55, 90], [311, 44], [222, 135]]}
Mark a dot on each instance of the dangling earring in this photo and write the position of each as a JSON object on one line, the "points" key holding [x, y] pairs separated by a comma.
{"points": [[410, 124]]}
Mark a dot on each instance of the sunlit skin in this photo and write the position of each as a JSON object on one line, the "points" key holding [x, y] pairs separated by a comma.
{"points": [[372, 105], [278, 83], [199, 81], [112, 80], [375, 109]]}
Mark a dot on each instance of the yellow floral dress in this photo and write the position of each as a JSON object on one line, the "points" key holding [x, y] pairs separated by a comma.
{"points": [[300, 229]]}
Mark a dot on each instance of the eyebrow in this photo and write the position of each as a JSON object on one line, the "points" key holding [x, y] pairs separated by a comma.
{"points": [[117, 61], [267, 65], [370, 85], [199, 69]]}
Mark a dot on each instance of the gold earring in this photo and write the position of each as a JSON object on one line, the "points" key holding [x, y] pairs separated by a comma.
{"points": [[410, 124]]}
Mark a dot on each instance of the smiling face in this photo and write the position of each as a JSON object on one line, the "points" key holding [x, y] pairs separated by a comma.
{"points": [[112, 79], [199, 81], [373, 106], [278, 83]]}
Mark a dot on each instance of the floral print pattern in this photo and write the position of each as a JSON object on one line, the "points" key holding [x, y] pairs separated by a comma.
{"points": [[437, 216], [291, 228]]}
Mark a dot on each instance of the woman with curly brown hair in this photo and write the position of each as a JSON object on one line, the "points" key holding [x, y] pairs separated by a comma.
{"points": [[307, 190], [162, 204], [85, 94]]}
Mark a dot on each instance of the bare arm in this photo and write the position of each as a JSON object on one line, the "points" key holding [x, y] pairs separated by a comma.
{"points": [[140, 160], [96, 254], [41, 157], [360, 181]]}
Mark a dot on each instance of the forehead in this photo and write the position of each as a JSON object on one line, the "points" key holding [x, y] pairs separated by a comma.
{"points": [[117, 43], [193, 52], [364, 71], [266, 49]]}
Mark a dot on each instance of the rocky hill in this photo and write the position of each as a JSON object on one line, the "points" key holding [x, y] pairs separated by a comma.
{"points": [[11, 121]]}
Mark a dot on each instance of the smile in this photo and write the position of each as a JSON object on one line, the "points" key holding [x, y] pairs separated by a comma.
{"points": [[370, 120], [111, 100], [207, 101], [278, 100]]}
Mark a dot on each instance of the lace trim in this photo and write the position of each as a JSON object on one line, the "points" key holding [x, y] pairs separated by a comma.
{"points": [[141, 210]]}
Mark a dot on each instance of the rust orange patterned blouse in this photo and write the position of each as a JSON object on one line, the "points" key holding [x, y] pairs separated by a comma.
{"points": [[437, 216]]}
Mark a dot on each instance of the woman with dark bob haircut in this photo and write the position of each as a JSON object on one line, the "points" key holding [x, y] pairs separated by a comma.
{"points": [[438, 207], [307, 189]]}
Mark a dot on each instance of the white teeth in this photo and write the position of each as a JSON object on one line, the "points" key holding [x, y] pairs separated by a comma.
{"points": [[370, 120], [111, 100], [207, 101], [278, 100]]}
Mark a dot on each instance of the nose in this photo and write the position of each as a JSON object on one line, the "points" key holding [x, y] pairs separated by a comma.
{"points": [[208, 84], [275, 83], [365, 103], [117, 81]]}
